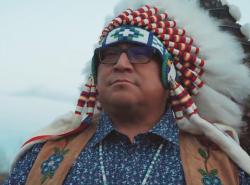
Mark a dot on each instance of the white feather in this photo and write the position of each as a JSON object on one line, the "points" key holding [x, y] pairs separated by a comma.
{"points": [[216, 107], [185, 125], [234, 12], [232, 81], [224, 2], [245, 30]]}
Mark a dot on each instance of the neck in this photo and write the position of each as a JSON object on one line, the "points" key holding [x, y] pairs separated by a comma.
{"points": [[132, 123]]}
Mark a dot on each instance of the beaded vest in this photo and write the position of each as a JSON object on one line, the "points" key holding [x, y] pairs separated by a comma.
{"points": [[202, 160]]}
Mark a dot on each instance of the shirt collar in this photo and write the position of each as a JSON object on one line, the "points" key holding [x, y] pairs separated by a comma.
{"points": [[166, 128], [104, 127]]}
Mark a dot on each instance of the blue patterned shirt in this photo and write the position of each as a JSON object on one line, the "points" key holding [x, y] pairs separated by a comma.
{"points": [[125, 163]]}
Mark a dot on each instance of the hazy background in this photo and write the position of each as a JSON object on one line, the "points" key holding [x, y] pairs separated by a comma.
{"points": [[44, 46]]}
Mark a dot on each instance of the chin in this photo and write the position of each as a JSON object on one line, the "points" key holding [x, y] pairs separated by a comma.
{"points": [[120, 96], [122, 100]]}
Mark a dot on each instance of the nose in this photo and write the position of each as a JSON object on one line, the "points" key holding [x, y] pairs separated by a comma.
{"points": [[123, 63]]}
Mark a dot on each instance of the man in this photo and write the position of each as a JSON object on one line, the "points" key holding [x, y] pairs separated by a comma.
{"points": [[144, 70]]}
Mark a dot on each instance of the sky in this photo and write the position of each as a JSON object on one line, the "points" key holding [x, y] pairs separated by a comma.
{"points": [[44, 46]]}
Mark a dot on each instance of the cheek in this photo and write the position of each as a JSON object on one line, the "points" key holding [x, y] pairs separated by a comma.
{"points": [[101, 75], [152, 75], [101, 85], [100, 88]]}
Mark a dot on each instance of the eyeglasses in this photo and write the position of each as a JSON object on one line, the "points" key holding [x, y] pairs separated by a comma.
{"points": [[136, 55]]}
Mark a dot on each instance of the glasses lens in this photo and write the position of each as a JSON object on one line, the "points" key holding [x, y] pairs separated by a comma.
{"points": [[137, 54], [109, 55], [140, 54]]}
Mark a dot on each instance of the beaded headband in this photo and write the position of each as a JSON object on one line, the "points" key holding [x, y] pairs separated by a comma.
{"points": [[133, 34]]}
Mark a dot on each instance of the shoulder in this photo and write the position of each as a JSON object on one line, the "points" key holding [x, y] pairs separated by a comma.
{"points": [[23, 165], [29, 152]]}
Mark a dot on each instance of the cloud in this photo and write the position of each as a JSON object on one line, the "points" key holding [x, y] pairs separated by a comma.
{"points": [[46, 93]]}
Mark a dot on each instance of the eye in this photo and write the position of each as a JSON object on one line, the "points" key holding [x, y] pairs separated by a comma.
{"points": [[140, 54], [109, 53]]}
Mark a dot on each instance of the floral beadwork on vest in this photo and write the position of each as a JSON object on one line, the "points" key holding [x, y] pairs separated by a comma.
{"points": [[209, 177], [49, 166]]}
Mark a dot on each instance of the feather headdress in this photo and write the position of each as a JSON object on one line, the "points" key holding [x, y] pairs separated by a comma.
{"points": [[213, 88]]}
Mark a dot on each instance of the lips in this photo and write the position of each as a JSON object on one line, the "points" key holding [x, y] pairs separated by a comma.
{"points": [[121, 81]]}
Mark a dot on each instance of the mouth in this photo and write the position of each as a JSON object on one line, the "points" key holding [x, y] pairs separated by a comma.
{"points": [[121, 81]]}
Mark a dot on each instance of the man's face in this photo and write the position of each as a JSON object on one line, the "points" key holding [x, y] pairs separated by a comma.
{"points": [[125, 84]]}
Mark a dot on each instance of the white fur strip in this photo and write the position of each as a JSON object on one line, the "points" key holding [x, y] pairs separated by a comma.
{"points": [[224, 141], [185, 125], [224, 128]]}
